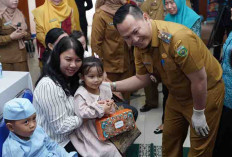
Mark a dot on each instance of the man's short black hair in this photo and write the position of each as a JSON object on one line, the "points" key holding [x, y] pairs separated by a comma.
{"points": [[124, 10]]}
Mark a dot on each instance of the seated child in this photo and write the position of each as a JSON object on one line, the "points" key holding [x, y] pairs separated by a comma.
{"points": [[26, 139], [92, 100], [78, 35]]}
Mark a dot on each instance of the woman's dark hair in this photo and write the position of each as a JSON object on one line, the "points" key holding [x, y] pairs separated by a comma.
{"points": [[52, 68], [77, 34], [51, 37], [90, 62]]}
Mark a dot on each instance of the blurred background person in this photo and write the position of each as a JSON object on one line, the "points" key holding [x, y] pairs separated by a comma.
{"points": [[155, 10], [83, 6], [13, 32], [52, 38], [76, 14], [107, 43], [224, 26], [223, 142], [52, 14]]}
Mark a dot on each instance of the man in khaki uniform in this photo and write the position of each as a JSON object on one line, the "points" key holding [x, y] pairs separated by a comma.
{"points": [[188, 69], [155, 10]]}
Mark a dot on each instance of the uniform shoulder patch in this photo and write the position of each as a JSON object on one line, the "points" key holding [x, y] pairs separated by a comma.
{"points": [[182, 51], [166, 37]]}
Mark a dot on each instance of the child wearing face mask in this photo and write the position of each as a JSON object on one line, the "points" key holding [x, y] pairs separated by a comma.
{"points": [[92, 100], [26, 139]]}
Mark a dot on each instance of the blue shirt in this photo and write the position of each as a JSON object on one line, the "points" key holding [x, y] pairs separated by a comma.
{"points": [[39, 145], [227, 71]]}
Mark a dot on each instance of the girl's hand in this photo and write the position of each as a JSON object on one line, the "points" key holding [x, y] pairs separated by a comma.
{"points": [[106, 106], [113, 105]]}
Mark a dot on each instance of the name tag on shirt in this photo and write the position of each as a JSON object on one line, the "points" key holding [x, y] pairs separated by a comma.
{"points": [[147, 63], [7, 23], [52, 20]]}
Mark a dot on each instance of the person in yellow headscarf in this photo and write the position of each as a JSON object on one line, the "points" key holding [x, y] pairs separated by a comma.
{"points": [[73, 5], [52, 14]]}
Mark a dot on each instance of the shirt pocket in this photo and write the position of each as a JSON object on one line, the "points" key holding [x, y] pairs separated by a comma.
{"points": [[148, 62], [6, 29], [111, 33], [149, 67]]}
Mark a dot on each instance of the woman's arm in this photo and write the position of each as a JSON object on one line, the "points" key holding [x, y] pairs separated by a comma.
{"points": [[4, 39], [75, 25], [56, 108], [40, 34]]}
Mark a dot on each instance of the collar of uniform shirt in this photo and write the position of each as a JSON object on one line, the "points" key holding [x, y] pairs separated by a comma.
{"points": [[154, 40]]}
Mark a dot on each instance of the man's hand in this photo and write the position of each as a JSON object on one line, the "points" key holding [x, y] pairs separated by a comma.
{"points": [[199, 122]]}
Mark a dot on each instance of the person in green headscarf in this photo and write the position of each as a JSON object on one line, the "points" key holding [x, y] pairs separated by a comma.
{"points": [[179, 12]]}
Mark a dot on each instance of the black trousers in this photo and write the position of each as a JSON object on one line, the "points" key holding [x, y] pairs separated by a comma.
{"points": [[225, 26], [195, 5], [165, 93], [126, 105], [70, 148], [223, 142]]}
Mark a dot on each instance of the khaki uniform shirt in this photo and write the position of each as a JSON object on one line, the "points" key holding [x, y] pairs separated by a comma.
{"points": [[108, 44], [185, 54], [9, 49], [154, 8], [188, 3]]}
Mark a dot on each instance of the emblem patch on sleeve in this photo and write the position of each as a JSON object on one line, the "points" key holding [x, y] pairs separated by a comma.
{"points": [[182, 51]]}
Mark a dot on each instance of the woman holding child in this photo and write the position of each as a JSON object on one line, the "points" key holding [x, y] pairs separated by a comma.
{"points": [[54, 93]]}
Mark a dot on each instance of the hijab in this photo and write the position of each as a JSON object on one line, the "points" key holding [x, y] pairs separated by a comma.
{"points": [[109, 6], [13, 19], [50, 15], [184, 15], [73, 5]]}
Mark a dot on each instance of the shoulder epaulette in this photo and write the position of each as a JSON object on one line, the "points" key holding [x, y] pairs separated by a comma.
{"points": [[166, 37]]}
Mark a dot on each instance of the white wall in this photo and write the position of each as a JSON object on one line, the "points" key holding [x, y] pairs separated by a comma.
{"points": [[31, 6]]}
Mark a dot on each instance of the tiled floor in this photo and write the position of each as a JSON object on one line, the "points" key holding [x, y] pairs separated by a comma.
{"points": [[148, 121]]}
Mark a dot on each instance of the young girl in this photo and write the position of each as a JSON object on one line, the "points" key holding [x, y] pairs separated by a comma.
{"points": [[93, 100]]}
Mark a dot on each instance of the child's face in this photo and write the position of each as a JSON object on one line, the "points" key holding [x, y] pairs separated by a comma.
{"points": [[24, 128], [93, 80]]}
